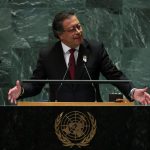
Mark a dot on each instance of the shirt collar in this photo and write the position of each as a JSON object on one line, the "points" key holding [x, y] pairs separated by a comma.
{"points": [[67, 48]]}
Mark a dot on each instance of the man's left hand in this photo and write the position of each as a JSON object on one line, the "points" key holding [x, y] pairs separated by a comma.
{"points": [[142, 96]]}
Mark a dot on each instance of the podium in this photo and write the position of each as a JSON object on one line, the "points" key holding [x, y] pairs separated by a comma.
{"points": [[56, 123], [84, 104]]}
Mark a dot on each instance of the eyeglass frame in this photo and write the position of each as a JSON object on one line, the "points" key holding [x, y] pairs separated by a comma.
{"points": [[73, 28]]}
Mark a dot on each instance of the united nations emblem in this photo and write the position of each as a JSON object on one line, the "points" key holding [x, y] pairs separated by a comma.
{"points": [[75, 128]]}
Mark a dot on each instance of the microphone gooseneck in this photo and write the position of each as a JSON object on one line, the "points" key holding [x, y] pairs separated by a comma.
{"points": [[64, 76], [84, 63]]}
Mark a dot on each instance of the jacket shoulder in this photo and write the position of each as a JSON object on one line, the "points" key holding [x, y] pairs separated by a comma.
{"points": [[93, 44], [48, 50]]}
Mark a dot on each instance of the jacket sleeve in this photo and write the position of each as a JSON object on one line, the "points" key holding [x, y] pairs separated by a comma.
{"points": [[110, 71], [32, 89]]}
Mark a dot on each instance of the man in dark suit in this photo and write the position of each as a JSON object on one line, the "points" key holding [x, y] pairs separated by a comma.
{"points": [[74, 57]]}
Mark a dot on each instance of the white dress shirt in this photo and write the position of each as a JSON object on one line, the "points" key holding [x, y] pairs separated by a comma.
{"points": [[67, 53]]}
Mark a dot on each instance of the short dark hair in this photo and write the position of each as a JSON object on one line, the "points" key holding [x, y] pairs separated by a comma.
{"points": [[57, 26]]}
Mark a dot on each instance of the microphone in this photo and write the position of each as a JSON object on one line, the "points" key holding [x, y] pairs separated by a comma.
{"points": [[85, 61], [64, 76]]}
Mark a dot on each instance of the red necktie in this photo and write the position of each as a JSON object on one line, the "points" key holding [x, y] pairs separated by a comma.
{"points": [[72, 64]]}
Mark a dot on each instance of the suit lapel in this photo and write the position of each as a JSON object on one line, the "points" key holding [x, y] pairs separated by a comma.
{"points": [[79, 67], [60, 62], [78, 70], [83, 50]]}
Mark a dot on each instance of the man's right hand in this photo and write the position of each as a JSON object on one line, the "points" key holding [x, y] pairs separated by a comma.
{"points": [[14, 92]]}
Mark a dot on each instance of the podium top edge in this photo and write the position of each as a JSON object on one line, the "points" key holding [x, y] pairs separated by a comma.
{"points": [[83, 104], [77, 81]]}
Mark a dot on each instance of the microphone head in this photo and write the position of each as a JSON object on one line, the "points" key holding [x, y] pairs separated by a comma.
{"points": [[85, 58]]}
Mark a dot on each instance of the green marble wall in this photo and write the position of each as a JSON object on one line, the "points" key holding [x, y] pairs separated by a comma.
{"points": [[25, 27]]}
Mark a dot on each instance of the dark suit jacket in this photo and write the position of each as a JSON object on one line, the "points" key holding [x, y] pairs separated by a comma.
{"points": [[51, 65]]}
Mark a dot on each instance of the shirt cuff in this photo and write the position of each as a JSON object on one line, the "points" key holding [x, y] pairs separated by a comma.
{"points": [[22, 91], [132, 94]]}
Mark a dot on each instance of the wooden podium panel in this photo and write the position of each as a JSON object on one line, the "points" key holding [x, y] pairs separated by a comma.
{"points": [[75, 103]]}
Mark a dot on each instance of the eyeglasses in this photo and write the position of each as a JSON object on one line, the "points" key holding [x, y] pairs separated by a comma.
{"points": [[74, 28]]}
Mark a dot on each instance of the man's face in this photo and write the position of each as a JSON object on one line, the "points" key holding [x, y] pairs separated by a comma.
{"points": [[72, 35]]}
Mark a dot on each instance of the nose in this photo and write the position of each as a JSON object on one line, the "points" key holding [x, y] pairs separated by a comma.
{"points": [[78, 31]]}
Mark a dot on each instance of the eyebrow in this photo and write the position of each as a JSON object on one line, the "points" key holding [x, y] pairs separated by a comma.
{"points": [[75, 25]]}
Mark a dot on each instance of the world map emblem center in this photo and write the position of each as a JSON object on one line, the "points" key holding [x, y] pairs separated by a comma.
{"points": [[75, 128]]}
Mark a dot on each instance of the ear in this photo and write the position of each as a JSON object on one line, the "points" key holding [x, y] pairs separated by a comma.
{"points": [[61, 36]]}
